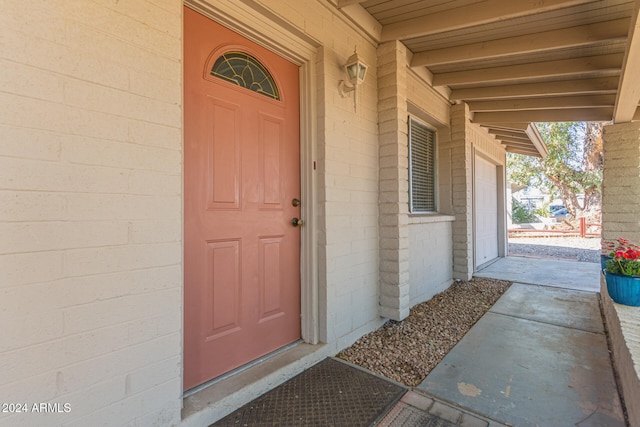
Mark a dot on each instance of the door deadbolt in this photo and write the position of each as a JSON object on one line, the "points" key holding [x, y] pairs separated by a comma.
{"points": [[295, 202]]}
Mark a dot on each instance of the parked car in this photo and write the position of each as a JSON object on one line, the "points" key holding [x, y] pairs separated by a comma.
{"points": [[562, 213]]}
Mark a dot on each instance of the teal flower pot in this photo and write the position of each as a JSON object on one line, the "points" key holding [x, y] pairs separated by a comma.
{"points": [[623, 289]]}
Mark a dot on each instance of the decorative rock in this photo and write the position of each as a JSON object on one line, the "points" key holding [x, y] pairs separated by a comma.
{"points": [[407, 351]]}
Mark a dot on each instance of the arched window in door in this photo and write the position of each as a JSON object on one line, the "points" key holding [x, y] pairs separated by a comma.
{"points": [[246, 71]]}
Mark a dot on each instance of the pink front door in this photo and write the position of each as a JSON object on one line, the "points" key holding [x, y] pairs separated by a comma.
{"points": [[242, 172]]}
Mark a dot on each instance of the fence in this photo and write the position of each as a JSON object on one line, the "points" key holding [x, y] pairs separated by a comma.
{"points": [[581, 231]]}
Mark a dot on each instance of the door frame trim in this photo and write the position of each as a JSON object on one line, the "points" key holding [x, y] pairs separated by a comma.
{"points": [[284, 40]]}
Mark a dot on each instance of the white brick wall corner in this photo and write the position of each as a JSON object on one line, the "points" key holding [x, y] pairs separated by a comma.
{"points": [[621, 181], [393, 196], [90, 211], [620, 218], [461, 189]]}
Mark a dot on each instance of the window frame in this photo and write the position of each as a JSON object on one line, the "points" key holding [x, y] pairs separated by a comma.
{"points": [[434, 132], [233, 57]]}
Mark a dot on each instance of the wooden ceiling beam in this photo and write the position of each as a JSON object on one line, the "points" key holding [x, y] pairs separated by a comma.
{"points": [[483, 12], [536, 139], [629, 87], [536, 70], [529, 43], [527, 146], [512, 137], [584, 101], [510, 126], [520, 145], [527, 138], [361, 18], [561, 87], [507, 132], [343, 3], [564, 115], [512, 148]]}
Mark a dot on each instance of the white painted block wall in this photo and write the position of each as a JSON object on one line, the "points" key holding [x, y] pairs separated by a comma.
{"points": [[620, 210], [91, 203], [90, 211], [347, 174], [430, 259]]}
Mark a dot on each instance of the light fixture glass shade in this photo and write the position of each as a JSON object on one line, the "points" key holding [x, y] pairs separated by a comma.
{"points": [[363, 71], [352, 73], [356, 69]]}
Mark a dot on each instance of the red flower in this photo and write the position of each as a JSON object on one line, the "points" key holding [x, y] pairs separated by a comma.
{"points": [[631, 254]]}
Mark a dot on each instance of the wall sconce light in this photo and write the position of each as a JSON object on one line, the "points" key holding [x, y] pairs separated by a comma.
{"points": [[356, 70]]}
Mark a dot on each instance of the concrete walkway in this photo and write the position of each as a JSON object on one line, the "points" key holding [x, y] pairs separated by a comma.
{"points": [[539, 357], [581, 276]]}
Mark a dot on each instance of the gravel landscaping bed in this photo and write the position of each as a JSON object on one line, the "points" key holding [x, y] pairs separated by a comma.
{"points": [[573, 248], [407, 351]]}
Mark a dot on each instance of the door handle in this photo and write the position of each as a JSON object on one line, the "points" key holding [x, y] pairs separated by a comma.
{"points": [[297, 222]]}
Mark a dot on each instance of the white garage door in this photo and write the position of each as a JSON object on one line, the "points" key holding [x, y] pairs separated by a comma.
{"points": [[486, 211]]}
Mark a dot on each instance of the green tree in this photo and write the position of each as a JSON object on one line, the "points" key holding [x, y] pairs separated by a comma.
{"points": [[520, 214], [573, 165]]}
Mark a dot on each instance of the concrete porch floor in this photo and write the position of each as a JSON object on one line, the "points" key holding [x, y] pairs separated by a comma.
{"points": [[539, 357], [581, 276]]}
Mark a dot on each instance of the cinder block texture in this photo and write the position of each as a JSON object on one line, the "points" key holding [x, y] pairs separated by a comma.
{"points": [[91, 196], [621, 182], [621, 218], [394, 176], [431, 260], [90, 211], [461, 189]]}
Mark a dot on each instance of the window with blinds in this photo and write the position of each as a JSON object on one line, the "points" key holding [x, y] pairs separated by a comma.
{"points": [[422, 168]]}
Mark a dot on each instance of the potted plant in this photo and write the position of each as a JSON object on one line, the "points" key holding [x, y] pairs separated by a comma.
{"points": [[622, 273], [607, 248]]}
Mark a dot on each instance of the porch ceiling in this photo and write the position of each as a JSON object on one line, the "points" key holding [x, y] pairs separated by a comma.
{"points": [[515, 62]]}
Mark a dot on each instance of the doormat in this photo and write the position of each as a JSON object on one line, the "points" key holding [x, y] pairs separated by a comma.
{"points": [[331, 393]]}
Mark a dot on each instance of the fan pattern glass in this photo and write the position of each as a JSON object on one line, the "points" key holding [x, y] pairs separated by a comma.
{"points": [[246, 71]]}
